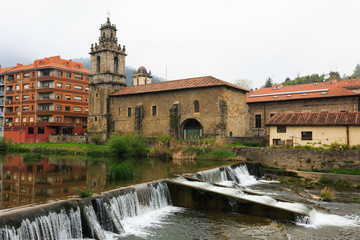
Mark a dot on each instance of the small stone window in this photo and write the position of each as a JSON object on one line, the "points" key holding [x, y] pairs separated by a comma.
{"points": [[95, 119], [277, 142], [196, 106], [129, 112], [67, 108], [306, 136], [119, 111], [116, 64], [98, 64], [258, 121], [154, 110], [30, 130], [281, 129]]}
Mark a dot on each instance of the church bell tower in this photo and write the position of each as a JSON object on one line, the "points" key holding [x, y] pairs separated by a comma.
{"points": [[107, 76]]}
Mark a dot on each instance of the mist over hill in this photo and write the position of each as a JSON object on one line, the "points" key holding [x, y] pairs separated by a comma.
{"points": [[128, 71]]}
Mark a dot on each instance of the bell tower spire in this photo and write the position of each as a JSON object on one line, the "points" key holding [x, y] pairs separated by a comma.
{"points": [[107, 69]]}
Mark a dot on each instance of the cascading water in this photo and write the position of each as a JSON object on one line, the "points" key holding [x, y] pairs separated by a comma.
{"points": [[55, 226], [239, 174]]}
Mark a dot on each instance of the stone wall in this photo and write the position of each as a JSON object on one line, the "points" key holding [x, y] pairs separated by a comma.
{"points": [[259, 140], [300, 159], [209, 116], [68, 139]]}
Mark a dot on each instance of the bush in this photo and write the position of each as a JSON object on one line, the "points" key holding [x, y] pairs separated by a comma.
{"points": [[85, 193], [358, 186], [122, 171], [327, 194], [4, 144], [326, 181], [342, 183], [96, 139], [208, 141], [163, 139], [118, 146]]}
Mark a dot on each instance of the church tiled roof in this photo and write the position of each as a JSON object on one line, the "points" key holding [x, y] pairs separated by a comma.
{"points": [[304, 91], [198, 82], [314, 119]]}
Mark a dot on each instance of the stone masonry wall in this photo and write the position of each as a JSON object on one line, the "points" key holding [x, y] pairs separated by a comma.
{"points": [[300, 159], [159, 124], [68, 139]]}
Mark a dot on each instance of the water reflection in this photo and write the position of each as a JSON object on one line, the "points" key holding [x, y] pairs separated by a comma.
{"points": [[30, 178]]}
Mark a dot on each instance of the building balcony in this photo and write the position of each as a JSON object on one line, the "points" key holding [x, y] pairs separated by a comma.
{"points": [[46, 98], [42, 86], [2, 83]]}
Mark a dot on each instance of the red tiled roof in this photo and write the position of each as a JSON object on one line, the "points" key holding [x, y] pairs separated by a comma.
{"points": [[304, 91], [197, 82], [54, 62], [314, 119]]}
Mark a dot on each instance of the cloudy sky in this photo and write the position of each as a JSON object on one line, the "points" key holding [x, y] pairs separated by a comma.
{"points": [[240, 39]]}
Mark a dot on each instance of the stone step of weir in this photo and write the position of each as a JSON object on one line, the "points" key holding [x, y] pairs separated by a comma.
{"points": [[242, 189], [183, 195]]}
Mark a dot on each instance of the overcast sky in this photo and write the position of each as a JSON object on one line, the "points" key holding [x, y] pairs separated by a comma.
{"points": [[240, 39]]}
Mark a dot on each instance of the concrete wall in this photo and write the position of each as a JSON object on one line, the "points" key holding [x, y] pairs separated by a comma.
{"points": [[320, 134], [300, 159], [349, 104]]}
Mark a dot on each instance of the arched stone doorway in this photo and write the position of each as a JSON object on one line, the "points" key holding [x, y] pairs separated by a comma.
{"points": [[192, 129]]}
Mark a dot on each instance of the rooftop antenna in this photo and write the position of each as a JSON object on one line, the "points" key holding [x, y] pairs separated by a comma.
{"points": [[108, 13]]}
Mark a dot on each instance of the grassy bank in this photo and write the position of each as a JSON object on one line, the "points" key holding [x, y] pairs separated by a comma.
{"points": [[62, 149]]}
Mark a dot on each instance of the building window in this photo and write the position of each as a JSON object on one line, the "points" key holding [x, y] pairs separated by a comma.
{"points": [[276, 142], [58, 119], [306, 135], [79, 88], [95, 119], [68, 97], [67, 108], [116, 64], [17, 87], [196, 106], [78, 77], [17, 97], [68, 75], [25, 108], [31, 119], [87, 78], [16, 119], [87, 89], [26, 75], [59, 74], [119, 111], [86, 99], [16, 109], [86, 109], [41, 130], [154, 110], [59, 85], [258, 121], [68, 86], [58, 107], [26, 97], [30, 130], [77, 109], [17, 76], [24, 119], [98, 64], [281, 129], [77, 98], [129, 112], [26, 86], [58, 96]]}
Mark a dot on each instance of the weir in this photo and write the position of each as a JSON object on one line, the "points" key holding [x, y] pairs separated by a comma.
{"points": [[107, 214]]}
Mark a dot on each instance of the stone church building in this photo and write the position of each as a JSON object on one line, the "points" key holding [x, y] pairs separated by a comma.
{"points": [[188, 108]]}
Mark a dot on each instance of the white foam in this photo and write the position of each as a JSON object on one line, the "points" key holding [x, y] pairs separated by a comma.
{"points": [[139, 225], [241, 175], [317, 220]]}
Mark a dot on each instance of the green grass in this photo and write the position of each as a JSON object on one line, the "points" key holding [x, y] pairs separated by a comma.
{"points": [[245, 144], [210, 153], [122, 171], [341, 171]]}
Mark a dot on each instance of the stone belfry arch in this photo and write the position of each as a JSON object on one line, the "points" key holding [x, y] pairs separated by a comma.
{"points": [[107, 75]]}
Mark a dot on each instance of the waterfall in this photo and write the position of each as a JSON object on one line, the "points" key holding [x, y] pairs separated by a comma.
{"points": [[238, 174], [213, 175], [55, 226]]}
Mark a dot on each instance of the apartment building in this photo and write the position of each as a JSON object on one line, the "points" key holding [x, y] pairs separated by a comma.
{"points": [[45, 98]]}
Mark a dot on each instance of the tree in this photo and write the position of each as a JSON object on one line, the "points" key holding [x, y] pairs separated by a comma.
{"points": [[244, 83], [356, 71], [269, 82], [287, 79], [334, 75]]}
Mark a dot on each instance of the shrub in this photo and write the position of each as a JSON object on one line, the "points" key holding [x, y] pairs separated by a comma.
{"points": [[136, 145], [122, 171], [326, 181], [342, 183], [163, 139], [327, 194], [96, 139], [4, 144], [358, 186], [85, 193], [118, 146], [208, 141]]}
